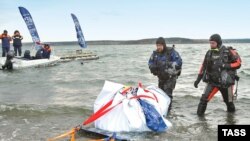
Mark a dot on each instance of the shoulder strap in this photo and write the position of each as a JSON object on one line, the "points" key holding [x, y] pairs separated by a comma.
{"points": [[208, 54], [168, 53], [207, 57]]}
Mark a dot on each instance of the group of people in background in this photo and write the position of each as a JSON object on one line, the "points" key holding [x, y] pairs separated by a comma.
{"points": [[43, 52], [17, 42]]}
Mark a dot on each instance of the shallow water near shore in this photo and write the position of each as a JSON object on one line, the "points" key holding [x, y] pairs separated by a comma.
{"points": [[39, 103]]}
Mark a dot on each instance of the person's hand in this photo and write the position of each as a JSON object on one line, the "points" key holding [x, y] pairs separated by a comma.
{"points": [[196, 84], [197, 81], [170, 71], [153, 69]]}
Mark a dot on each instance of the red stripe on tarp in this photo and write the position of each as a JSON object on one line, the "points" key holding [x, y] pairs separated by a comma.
{"points": [[90, 119], [147, 91], [100, 114], [102, 111]]}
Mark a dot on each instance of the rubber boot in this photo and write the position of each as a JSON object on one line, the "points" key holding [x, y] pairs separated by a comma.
{"points": [[230, 107], [170, 105], [201, 108]]}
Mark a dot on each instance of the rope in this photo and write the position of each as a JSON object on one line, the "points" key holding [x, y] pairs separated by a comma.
{"points": [[70, 133]]}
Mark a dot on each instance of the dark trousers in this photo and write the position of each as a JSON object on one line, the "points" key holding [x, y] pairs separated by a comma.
{"points": [[18, 49], [5, 50], [210, 91], [168, 86]]}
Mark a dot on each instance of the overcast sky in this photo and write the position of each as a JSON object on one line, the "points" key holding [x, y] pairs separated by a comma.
{"points": [[129, 19]]}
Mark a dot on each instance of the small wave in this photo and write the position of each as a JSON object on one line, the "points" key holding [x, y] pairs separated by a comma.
{"points": [[190, 97], [24, 109], [246, 56], [244, 73], [14, 133], [26, 121]]}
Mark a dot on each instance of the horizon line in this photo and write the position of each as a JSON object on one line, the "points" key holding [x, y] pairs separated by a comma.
{"points": [[144, 39]]}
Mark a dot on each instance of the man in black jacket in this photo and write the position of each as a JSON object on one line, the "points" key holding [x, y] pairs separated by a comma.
{"points": [[219, 72], [165, 63]]}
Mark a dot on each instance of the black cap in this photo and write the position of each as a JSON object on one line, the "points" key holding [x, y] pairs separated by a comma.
{"points": [[5, 31], [216, 38], [16, 31], [46, 45], [161, 41]]}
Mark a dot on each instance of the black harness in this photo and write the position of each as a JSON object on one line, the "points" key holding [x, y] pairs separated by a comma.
{"points": [[215, 74]]}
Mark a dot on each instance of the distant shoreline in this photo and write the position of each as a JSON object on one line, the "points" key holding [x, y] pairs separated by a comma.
{"points": [[146, 41]]}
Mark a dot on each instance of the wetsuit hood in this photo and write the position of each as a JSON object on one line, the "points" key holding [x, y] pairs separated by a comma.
{"points": [[161, 41], [217, 39]]}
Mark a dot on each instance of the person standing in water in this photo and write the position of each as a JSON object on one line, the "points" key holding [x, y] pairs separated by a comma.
{"points": [[166, 64], [5, 42], [218, 70], [17, 43]]}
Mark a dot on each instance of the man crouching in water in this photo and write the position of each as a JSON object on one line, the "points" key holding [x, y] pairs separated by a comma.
{"points": [[9, 60], [219, 72], [165, 63]]}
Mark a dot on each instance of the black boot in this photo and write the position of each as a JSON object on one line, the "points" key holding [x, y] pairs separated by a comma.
{"points": [[169, 93], [201, 108], [170, 105], [230, 107]]}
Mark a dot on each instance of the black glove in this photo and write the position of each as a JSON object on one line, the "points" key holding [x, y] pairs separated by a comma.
{"points": [[197, 81], [153, 69], [237, 78]]}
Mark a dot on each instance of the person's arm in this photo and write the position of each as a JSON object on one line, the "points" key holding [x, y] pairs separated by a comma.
{"points": [[1, 36], [176, 60], [151, 60], [202, 67], [10, 39], [236, 60], [151, 64], [21, 37], [201, 71]]}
